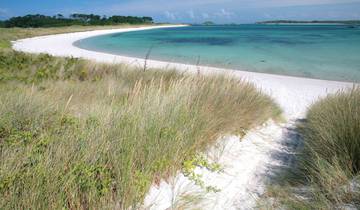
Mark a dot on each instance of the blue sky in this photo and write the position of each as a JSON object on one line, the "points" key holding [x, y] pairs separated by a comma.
{"points": [[192, 11]]}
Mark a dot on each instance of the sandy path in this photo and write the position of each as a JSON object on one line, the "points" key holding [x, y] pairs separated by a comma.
{"points": [[247, 162]]}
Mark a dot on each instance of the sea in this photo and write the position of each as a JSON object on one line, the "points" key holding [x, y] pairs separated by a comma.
{"points": [[329, 52]]}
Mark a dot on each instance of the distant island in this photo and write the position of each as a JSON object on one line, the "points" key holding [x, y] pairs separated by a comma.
{"points": [[346, 22], [208, 23]]}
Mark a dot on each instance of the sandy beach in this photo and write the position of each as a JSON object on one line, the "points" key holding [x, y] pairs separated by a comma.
{"points": [[292, 93], [247, 162]]}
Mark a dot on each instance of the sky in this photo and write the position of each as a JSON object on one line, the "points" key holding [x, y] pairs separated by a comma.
{"points": [[192, 11]]}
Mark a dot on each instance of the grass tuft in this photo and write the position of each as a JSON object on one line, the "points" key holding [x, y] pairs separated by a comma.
{"points": [[330, 159], [332, 131]]}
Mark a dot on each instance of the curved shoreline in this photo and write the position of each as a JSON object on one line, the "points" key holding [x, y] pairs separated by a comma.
{"points": [[294, 94], [247, 163]]}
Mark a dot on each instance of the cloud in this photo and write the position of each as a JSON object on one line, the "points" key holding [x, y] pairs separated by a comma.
{"points": [[220, 11], [3, 11], [170, 15], [223, 13], [205, 15], [183, 10], [145, 6], [191, 14], [287, 3]]}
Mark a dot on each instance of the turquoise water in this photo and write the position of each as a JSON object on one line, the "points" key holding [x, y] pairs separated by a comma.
{"points": [[329, 52]]}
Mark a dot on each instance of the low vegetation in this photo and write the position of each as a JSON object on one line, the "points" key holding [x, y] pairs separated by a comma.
{"points": [[81, 135], [329, 172]]}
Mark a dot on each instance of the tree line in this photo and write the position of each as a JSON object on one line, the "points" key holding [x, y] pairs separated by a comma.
{"points": [[35, 21]]}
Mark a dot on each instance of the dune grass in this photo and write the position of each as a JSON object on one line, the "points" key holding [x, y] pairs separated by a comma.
{"points": [[81, 135], [330, 159], [332, 131]]}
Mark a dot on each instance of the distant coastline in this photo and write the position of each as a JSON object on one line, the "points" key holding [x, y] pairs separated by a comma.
{"points": [[317, 22], [285, 22]]}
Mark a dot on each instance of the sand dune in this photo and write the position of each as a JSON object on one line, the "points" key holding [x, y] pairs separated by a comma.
{"points": [[247, 162]]}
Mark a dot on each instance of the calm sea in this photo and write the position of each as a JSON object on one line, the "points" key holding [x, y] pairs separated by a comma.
{"points": [[316, 51]]}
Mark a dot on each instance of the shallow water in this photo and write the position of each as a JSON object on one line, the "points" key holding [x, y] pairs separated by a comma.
{"points": [[316, 51]]}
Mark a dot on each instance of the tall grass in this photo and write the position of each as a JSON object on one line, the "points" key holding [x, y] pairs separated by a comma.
{"points": [[332, 131], [80, 135], [330, 160], [79, 145], [332, 147]]}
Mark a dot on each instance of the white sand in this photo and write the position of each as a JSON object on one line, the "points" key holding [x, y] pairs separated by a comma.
{"points": [[245, 165], [247, 162]]}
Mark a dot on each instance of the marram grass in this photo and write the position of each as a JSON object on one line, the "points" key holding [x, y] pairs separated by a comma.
{"points": [[80, 135], [94, 144], [330, 159], [332, 130]]}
